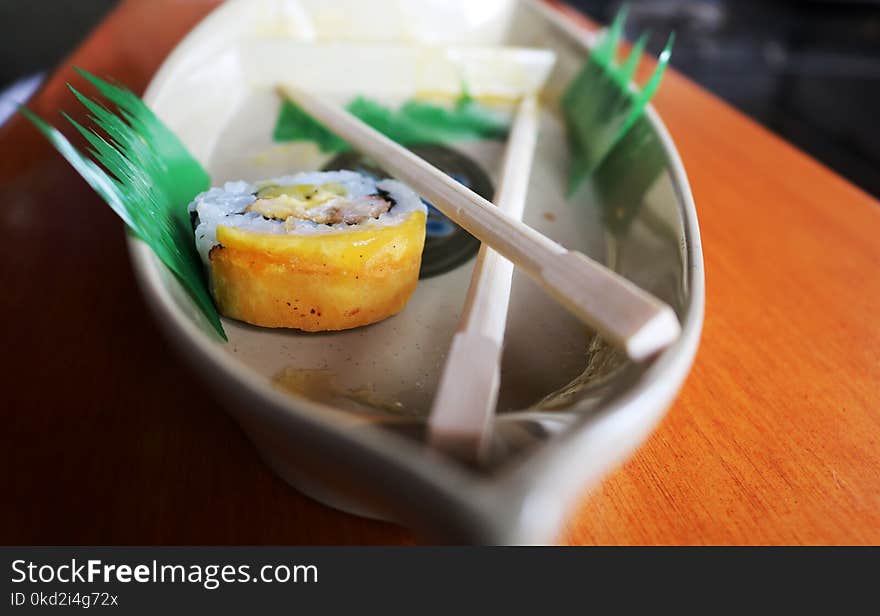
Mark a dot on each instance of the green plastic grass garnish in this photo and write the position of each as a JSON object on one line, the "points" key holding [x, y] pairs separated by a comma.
{"points": [[625, 175], [143, 171], [600, 105], [415, 122]]}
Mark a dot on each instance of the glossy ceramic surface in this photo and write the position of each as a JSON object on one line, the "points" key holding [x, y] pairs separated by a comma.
{"points": [[341, 414]]}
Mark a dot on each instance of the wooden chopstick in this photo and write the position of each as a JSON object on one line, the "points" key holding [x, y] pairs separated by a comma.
{"points": [[461, 417], [621, 312]]}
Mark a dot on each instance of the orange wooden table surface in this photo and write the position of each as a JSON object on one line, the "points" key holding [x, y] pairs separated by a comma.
{"points": [[108, 438]]}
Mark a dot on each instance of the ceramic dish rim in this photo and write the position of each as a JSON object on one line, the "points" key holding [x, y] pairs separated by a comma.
{"points": [[523, 490]]}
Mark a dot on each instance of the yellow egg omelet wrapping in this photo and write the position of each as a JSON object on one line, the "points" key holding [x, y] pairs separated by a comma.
{"points": [[320, 282]]}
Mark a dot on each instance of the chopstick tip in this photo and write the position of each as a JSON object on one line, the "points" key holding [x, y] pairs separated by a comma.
{"points": [[656, 334]]}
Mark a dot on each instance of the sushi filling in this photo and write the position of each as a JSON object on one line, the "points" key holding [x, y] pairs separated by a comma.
{"points": [[311, 203], [325, 204]]}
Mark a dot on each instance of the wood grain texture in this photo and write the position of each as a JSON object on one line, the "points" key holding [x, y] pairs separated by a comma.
{"points": [[108, 438], [774, 438]]}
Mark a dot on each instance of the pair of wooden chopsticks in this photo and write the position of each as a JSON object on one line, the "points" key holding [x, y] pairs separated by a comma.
{"points": [[622, 313]]}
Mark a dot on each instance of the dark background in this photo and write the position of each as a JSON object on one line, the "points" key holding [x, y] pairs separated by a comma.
{"points": [[808, 70]]}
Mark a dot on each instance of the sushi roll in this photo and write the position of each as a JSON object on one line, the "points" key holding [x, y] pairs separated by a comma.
{"points": [[315, 251]]}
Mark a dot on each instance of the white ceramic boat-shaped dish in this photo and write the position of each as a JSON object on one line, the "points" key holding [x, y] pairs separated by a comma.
{"points": [[341, 415]]}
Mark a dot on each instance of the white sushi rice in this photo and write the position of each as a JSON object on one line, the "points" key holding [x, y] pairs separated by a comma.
{"points": [[226, 206]]}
